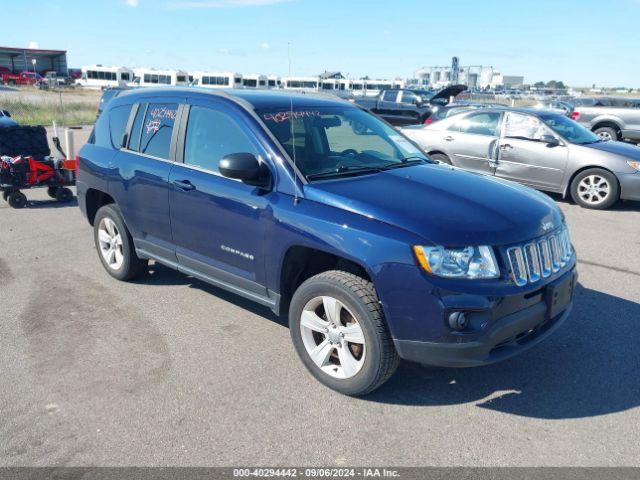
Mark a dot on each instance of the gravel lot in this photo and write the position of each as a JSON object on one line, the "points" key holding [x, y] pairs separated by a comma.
{"points": [[171, 371]]}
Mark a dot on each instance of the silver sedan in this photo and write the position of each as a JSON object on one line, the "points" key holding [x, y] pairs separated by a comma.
{"points": [[544, 150]]}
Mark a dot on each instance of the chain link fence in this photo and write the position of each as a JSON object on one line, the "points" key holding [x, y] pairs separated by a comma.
{"points": [[65, 106]]}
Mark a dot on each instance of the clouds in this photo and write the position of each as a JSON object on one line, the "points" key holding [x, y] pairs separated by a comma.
{"points": [[131, 3], [191, 4], [264, 46]]}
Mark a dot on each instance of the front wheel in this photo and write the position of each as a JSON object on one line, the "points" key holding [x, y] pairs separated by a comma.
{"points": [[51, 191], [17, 199], [338, 330], [115, 245], [63, 195], [595, 188]]}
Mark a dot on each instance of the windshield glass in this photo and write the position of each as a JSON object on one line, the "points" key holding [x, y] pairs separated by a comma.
{"points": [[339, 141], [572, 131]]}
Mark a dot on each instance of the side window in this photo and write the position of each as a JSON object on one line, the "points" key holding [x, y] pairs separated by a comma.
{"points": [[390, 95], [118, 118], [136, 129], [524, 127], [483, 123], [157, 127], [210, 136], [408, 97]]}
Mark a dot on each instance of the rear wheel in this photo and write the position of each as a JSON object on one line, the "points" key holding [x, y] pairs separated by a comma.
{"points": [[595, 188], [51, 191], [63, 194], [338, 330], [115, 245], [607, 133], [440, 157], [5, 195], [17, 199]]}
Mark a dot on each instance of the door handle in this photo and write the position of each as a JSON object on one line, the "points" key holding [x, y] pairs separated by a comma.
{"points": [[506, 146], [184, 185], [449, 138]]}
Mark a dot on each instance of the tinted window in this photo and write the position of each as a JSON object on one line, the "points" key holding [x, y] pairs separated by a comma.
{"points": [[211, 135], [157, 128], [408, 97], [118, 118], [484, 123], [389, 96]]}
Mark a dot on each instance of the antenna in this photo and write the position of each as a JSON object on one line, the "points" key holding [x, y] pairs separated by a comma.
{"points": [[296, 200]]}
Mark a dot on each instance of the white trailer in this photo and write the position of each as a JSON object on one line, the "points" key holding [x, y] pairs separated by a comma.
{"points": [[304, 84], [101, 77], [217, 80], [254, 80]]}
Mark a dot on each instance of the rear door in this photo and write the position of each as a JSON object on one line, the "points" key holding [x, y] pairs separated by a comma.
{"points": [[471, 140], [218, 224], [141, 172], [524, 157], [388, 107]]}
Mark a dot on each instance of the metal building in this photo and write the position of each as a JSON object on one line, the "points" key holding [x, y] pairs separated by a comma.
{"points": [[22, 59]]}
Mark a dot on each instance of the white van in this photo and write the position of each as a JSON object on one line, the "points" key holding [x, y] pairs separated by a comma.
{"points": [[374, 87], [217, 80], [149, 77], [274, 81], [254, 80], [100, 77], [304, 84]]}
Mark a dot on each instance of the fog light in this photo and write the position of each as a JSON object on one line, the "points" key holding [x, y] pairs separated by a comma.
{"points": [[458, 321]]}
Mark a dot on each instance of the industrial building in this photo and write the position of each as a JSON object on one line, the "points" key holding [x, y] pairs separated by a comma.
{"points": [[474, 76], [29, 59]]}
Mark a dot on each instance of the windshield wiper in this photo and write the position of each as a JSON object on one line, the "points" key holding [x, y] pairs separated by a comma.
{"points": [[344, 172], [405, 162]]}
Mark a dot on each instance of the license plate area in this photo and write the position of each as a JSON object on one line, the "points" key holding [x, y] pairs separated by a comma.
{"points": [[559, 295]]}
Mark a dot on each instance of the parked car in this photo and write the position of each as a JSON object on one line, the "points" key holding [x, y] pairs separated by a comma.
{"points": [[400, 106], [556, 106], [374, 251], [6, 120], [54, 79], [22, 78], [445, 111], [611, 118], [543, 150], [107, 95]]}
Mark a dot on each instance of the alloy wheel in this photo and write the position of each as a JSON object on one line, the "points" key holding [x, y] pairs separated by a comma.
{"points": [[594, 189], [332, 337], [110, 242]]}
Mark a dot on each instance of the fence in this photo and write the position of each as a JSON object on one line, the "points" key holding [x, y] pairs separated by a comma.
{"points": [[64, 106]]}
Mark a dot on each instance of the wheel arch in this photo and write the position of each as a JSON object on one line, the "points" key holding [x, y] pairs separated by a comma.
{"points": [[567, 187], [95, 199]]}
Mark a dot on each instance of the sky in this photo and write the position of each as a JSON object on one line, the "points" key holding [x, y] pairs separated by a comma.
{"points": [[581, 42]]}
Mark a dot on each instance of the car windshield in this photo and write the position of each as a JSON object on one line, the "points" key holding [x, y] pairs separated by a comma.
{"points": [[570, 130], [339, 141]]}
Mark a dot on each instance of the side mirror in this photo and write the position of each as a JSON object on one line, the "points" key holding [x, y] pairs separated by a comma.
{"points": [[6, 113], [244, 167], [550, 140]]}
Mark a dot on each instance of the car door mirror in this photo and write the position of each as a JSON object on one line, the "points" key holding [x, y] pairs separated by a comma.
{"points": [[245, 167], [6, 113], [550, 140]]}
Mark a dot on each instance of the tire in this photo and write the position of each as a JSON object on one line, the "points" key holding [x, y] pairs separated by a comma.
{"points": [[121, 261], [51, 191], [5, 195], [440, 157], [608, 133], [360, 317], [605, 187], [17, 199], [64, 194]]}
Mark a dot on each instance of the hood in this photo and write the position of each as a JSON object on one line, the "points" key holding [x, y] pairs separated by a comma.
{"points": [[618, 148], [443, 204], [452, 91]]}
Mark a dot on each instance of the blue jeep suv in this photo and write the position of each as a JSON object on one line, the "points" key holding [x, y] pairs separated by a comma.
{"points": [[322, 211]]}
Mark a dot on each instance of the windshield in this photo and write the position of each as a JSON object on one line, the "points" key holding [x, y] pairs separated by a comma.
{"points": [[339, 141], [570, 130]]}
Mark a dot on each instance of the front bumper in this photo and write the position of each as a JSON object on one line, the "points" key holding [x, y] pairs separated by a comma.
{"points": [[629, 185], [509, 331]]}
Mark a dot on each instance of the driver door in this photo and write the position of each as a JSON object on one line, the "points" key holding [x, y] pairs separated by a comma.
{"points": [[526, 157]]}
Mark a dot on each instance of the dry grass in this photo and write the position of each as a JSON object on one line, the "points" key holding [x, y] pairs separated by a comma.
{"points": [[29, 106]]}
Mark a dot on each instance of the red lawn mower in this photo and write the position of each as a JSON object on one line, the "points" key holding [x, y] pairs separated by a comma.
{"points": [[26, 162]]}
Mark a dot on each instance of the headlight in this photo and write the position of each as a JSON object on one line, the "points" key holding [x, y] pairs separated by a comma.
{"points": [[467, 262], [634, 164]]}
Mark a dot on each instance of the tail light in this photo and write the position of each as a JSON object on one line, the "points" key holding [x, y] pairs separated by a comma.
{"points": [[428, 121], [575, 115]]}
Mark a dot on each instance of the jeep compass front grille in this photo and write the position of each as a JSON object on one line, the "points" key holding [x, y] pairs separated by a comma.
{"points": [[539, 258]]}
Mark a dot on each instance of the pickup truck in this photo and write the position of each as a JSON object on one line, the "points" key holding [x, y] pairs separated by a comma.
{"points": [[610, 118], [372, 250], [22, 78], [401, 106]]}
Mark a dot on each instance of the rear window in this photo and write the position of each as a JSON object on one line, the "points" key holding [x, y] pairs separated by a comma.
{"points": [[157, 127], [118, 118]]}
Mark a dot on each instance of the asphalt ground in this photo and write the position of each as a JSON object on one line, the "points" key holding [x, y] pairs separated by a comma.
{"points": [[170, 371]]}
